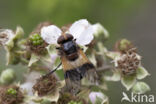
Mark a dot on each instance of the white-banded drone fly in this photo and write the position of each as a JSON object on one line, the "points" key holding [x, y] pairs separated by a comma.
{"points": [[75, 63]]}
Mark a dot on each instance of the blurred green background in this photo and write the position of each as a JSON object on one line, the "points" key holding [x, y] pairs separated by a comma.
{"points": [[132, 19]]}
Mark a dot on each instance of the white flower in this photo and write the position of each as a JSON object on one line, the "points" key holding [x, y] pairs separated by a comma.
{"points": [[94, 95], [50, 34], [81, 30]]}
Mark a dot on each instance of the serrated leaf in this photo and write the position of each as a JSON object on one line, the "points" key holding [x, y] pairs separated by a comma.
{"points": [[142, 73], [34, 58], [128, 81], [140, 88]]}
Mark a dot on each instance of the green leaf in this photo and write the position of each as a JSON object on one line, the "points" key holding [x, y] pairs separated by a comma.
{"points": [[128, 81], [115, 77], [142, 73], [140, 88]]}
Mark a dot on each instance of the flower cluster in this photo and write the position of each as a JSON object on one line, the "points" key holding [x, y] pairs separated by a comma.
{"points": [[38, 54]]}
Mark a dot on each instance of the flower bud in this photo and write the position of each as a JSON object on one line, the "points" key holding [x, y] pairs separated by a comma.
{"points": [[123, 45], [7, 76], [100, 30]]}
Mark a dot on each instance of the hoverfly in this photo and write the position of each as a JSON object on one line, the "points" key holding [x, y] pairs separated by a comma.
{"points": [[75, 63]]}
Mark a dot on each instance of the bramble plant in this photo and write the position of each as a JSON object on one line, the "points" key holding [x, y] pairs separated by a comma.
{"points": [[38, 53]]}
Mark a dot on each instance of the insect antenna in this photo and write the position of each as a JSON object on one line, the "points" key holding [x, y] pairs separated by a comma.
{"points": [[52, 71]]}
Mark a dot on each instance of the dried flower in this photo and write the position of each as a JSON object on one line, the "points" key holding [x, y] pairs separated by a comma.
{"points": [[46, 85], [129, 62], [11, 95]]}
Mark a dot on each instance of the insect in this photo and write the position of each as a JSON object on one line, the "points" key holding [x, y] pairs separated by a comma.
{"points": [[75, 63]]}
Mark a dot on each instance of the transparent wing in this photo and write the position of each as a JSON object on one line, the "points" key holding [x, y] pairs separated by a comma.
{"points": [[82, 31], [73, 86], [50, 34]]}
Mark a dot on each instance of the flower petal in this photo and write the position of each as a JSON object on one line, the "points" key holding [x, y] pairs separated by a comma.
{"points": [[78, 27], [86, 37], [50, 34]]}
